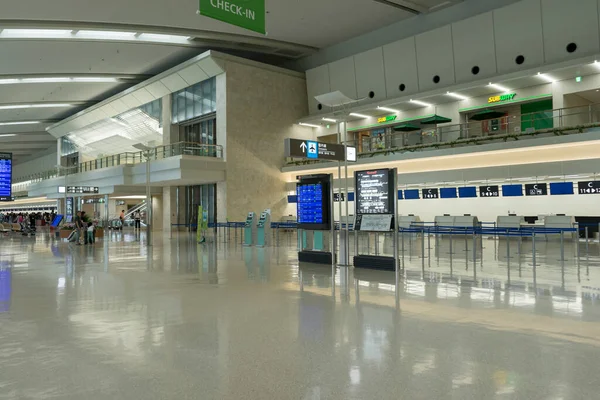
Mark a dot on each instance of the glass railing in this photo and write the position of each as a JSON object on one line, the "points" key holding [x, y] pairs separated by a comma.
{"points": [[564, 121], [131, 158]]}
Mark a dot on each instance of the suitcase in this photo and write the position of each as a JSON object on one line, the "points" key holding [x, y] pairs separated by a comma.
{"points": [[72, 237]]}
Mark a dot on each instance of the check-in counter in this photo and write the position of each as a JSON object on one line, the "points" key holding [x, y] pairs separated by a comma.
{"points": [[510, 221], [406, 221], [560, 222]]}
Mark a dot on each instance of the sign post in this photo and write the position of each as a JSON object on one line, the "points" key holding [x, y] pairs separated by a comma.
{"points": [[247, 14]]}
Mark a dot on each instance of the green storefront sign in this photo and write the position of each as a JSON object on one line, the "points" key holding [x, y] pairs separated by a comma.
{"points": [[248, 14]]}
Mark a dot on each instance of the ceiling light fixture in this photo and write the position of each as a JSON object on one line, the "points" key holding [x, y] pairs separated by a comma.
{"points": [[309, 125], [19, 123], [329, 119], [388, 109], [546, 77], [357, 115], [456, 96], [41, 105], [499, 87], [59, 79], [8, 135], [420, 103], [93, 35]]}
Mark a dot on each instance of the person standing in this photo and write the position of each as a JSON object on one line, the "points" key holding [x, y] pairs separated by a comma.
{"points": [[137, 216], [122, 219], [79, 227]]}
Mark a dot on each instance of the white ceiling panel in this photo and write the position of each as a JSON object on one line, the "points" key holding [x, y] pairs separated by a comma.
{"points": [[193, 74], [210, 66], [130, 101], [119, 106], [174, 82], [143, 96], [157, 89]]}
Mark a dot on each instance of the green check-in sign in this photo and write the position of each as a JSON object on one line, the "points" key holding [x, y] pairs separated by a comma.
{"points": [[248, 14]]}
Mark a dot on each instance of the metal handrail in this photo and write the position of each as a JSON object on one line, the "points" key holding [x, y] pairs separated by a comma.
{"points": [[131, 158], [558, 121]]}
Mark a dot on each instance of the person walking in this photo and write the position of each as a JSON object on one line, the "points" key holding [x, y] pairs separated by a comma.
{"points": [[137, 216], [79, 227]]}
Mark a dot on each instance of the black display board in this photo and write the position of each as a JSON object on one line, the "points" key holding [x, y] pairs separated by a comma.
{"points": [[489, 191], [374, 191], [314, 202], [588, 187], [536, 189], [430, 193], [5, 176]]}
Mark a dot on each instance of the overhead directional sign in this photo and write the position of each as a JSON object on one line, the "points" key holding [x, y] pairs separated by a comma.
{"points": [[318, 151], [589, 187], [248, 14], [489, 191], [536, 189], [430, 193]]}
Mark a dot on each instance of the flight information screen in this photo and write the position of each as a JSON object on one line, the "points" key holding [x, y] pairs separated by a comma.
{"points": [[310, 203], [5, 176], [374, 194]]}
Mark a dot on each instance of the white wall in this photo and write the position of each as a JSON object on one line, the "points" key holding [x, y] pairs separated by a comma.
{"points": [[40, 164]]}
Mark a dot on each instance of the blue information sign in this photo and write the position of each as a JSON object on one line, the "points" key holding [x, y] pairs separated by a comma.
{"points": [[5, 176], [310, 203]]}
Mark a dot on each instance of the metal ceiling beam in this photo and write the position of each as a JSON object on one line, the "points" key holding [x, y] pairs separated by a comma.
{"points": [[404, 5]]}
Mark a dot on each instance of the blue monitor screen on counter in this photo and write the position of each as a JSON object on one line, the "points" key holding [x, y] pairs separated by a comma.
{"points": [[561, 188], [448, 193], [466, 192], [5, 176], [512, 190]]}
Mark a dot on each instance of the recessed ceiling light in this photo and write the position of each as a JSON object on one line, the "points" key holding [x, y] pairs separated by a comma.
{"points": [[309, 125], [19, 123], [420, 103], [546, 77], [93, 35], [357, 115], [498, 87], [40, 105], [456, 96], [329, 119], [388, 109], [58, 79]]}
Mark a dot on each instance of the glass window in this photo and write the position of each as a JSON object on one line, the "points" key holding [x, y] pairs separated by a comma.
{"points": [[194, 101]]}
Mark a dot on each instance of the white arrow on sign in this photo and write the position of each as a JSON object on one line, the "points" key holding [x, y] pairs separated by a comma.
{"points": [[303, 147]]}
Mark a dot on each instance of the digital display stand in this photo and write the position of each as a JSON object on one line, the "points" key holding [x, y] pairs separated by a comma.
{"points": [[263, 229], [314, 211], [376, 211], [250, 229], [5, 176]]}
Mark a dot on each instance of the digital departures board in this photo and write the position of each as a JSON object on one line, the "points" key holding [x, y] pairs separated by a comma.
{"points": [[5, 176], [373, 192], [314, 202]]}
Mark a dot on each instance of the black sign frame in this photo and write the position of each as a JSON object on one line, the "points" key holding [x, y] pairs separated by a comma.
{"points": [[324, 151], [430, 193], [588, 187], [494, 191], [536, 189], [389, 204]]}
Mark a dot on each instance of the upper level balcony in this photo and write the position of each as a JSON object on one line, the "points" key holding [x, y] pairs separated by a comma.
{"points": [[422, 138]]}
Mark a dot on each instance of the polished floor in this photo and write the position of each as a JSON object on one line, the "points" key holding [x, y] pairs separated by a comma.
{"points": [[464, 319]]}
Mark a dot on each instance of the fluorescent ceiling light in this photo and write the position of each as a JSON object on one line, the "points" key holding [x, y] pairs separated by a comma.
{"points": [[310, 125], [19, 123], [357, 115], [41, 105], [499, 87], [546, 77], [57, 79], [158, 37], [456, 96], [8, 135], [420, 103], [388, 109], [93, 35], [329, 119]]}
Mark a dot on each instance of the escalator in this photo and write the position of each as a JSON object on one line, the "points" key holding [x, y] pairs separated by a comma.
{"points": [[115, 222]]}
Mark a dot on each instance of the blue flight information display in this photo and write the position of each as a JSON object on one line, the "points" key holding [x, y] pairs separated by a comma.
{"points": [[310, 203], [5, 176]]}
